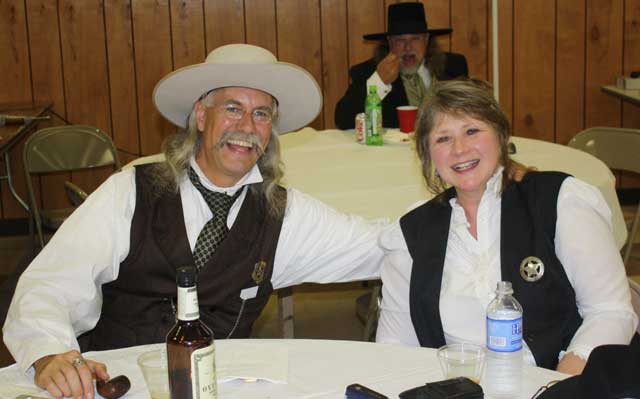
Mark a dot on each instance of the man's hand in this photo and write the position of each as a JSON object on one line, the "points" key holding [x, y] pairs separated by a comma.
{"points": [[517, 171], [389, 68], [68, 375], [571, 364]]}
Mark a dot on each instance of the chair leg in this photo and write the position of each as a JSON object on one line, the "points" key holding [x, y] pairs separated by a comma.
{"points": [[39, 231], [33, 246], [285, 312], [632, 236]]}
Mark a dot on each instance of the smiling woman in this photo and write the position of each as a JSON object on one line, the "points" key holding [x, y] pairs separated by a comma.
{"points": [[445, 258], [466, 153]]}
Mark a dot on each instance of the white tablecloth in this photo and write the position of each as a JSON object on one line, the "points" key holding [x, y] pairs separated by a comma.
{"points": [[386, 181], [317, 369]]}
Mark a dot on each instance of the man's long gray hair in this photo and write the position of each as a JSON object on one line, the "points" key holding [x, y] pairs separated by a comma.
{"points": [[181, 147]]}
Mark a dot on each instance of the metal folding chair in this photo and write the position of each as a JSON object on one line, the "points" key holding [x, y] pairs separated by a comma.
{"points": [[619, 149], [63, 149]]}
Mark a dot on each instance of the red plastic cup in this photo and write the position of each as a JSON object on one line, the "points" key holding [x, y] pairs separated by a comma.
{"points": [[407, 117]]}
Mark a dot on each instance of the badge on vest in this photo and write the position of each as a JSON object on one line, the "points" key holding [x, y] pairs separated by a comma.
{"points": [[531, 269], [258, 272]]}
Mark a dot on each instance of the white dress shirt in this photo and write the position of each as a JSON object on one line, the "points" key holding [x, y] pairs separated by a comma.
{"points": [[384, 89], [584, 244], [59, 296]]}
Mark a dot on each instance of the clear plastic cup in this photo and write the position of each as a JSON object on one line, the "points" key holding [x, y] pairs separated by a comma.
{"points": [[462, 360], [154, 369]]}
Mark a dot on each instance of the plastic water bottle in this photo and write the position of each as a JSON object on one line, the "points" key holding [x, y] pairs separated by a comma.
{"points": [[373, 117], [503, 378]]}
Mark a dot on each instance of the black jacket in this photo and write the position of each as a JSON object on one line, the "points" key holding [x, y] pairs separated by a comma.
{"points": [[448, 66]]}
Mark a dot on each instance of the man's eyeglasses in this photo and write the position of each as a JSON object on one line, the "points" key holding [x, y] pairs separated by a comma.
{"points": [[236, 112]]}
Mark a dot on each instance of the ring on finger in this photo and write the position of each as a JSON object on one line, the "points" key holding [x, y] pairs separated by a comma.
{"points": [[78, 361]]}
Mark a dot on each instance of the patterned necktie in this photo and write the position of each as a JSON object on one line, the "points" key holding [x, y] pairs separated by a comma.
{"points": [[215, 230], [414, 87]]}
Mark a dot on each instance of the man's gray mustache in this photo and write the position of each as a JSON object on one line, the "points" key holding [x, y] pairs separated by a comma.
{"points": [[250, 138]]}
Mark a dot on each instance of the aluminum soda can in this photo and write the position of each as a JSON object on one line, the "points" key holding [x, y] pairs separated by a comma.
{"points": [[360, 128]]}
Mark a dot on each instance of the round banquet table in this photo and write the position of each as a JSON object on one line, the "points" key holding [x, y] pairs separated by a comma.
{"points": [[386, 181], [311, 368]]}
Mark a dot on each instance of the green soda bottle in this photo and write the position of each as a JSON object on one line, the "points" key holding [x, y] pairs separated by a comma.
{"points": [[373, 117]]}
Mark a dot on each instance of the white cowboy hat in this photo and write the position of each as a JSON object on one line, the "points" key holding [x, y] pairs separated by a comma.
{"points": [[241, 65]]}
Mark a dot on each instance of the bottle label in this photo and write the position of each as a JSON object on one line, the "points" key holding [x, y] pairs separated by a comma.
{"points": [[188, 303], [375, 119], [504, 335], [204, 373]]}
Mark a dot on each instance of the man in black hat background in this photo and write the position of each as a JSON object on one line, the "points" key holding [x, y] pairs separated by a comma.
{"points": [[404, 66]]}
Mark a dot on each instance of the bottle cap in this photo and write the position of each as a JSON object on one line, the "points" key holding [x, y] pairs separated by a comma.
{"points": [[186, 276]]}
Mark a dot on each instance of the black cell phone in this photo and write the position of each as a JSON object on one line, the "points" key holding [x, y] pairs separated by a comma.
{"points": [[454, 388], [357, 391]]}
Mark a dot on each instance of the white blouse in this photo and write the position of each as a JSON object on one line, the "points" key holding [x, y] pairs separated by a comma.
{"points": [[584, 244]]}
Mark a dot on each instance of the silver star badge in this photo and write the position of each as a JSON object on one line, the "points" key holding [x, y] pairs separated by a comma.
{"points": [[531, 269]]}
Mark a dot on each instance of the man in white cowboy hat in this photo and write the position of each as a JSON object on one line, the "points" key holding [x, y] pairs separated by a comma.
{"points": [[405, 64], [108, 275]]}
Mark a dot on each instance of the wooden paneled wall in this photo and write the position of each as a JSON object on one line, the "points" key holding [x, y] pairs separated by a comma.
{"points": [[98, 61]]}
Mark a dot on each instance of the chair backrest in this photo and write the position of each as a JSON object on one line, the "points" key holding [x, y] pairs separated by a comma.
{"points": [[62, 149], [618, 148], [66, 148]]}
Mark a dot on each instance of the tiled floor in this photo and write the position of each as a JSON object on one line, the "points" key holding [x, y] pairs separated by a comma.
{"points": [[320, 311]]}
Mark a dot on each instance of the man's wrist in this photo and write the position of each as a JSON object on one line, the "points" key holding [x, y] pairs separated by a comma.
{"points": [[37, 365], [375, 80]]}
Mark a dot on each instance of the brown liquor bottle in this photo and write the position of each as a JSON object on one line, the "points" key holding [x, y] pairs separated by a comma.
{"points": [[190, 346]]}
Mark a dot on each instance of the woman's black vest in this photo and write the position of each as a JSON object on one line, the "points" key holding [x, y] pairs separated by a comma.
{"points": [[528, 225]]}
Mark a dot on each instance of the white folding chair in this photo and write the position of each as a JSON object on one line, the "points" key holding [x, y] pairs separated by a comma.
{"points": [[619, 149]]}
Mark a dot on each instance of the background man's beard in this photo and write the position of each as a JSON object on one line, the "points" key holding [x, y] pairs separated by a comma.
{"points": [[410, 70]]}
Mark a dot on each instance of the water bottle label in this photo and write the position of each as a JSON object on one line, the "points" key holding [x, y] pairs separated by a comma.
{"points": [[504, 335]]}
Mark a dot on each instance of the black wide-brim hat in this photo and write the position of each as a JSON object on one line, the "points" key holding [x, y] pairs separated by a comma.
{"points": [[406, 18]]}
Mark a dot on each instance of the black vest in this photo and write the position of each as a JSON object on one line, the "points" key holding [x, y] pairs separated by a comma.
{"points": [[139, 306], [528, 224]]}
